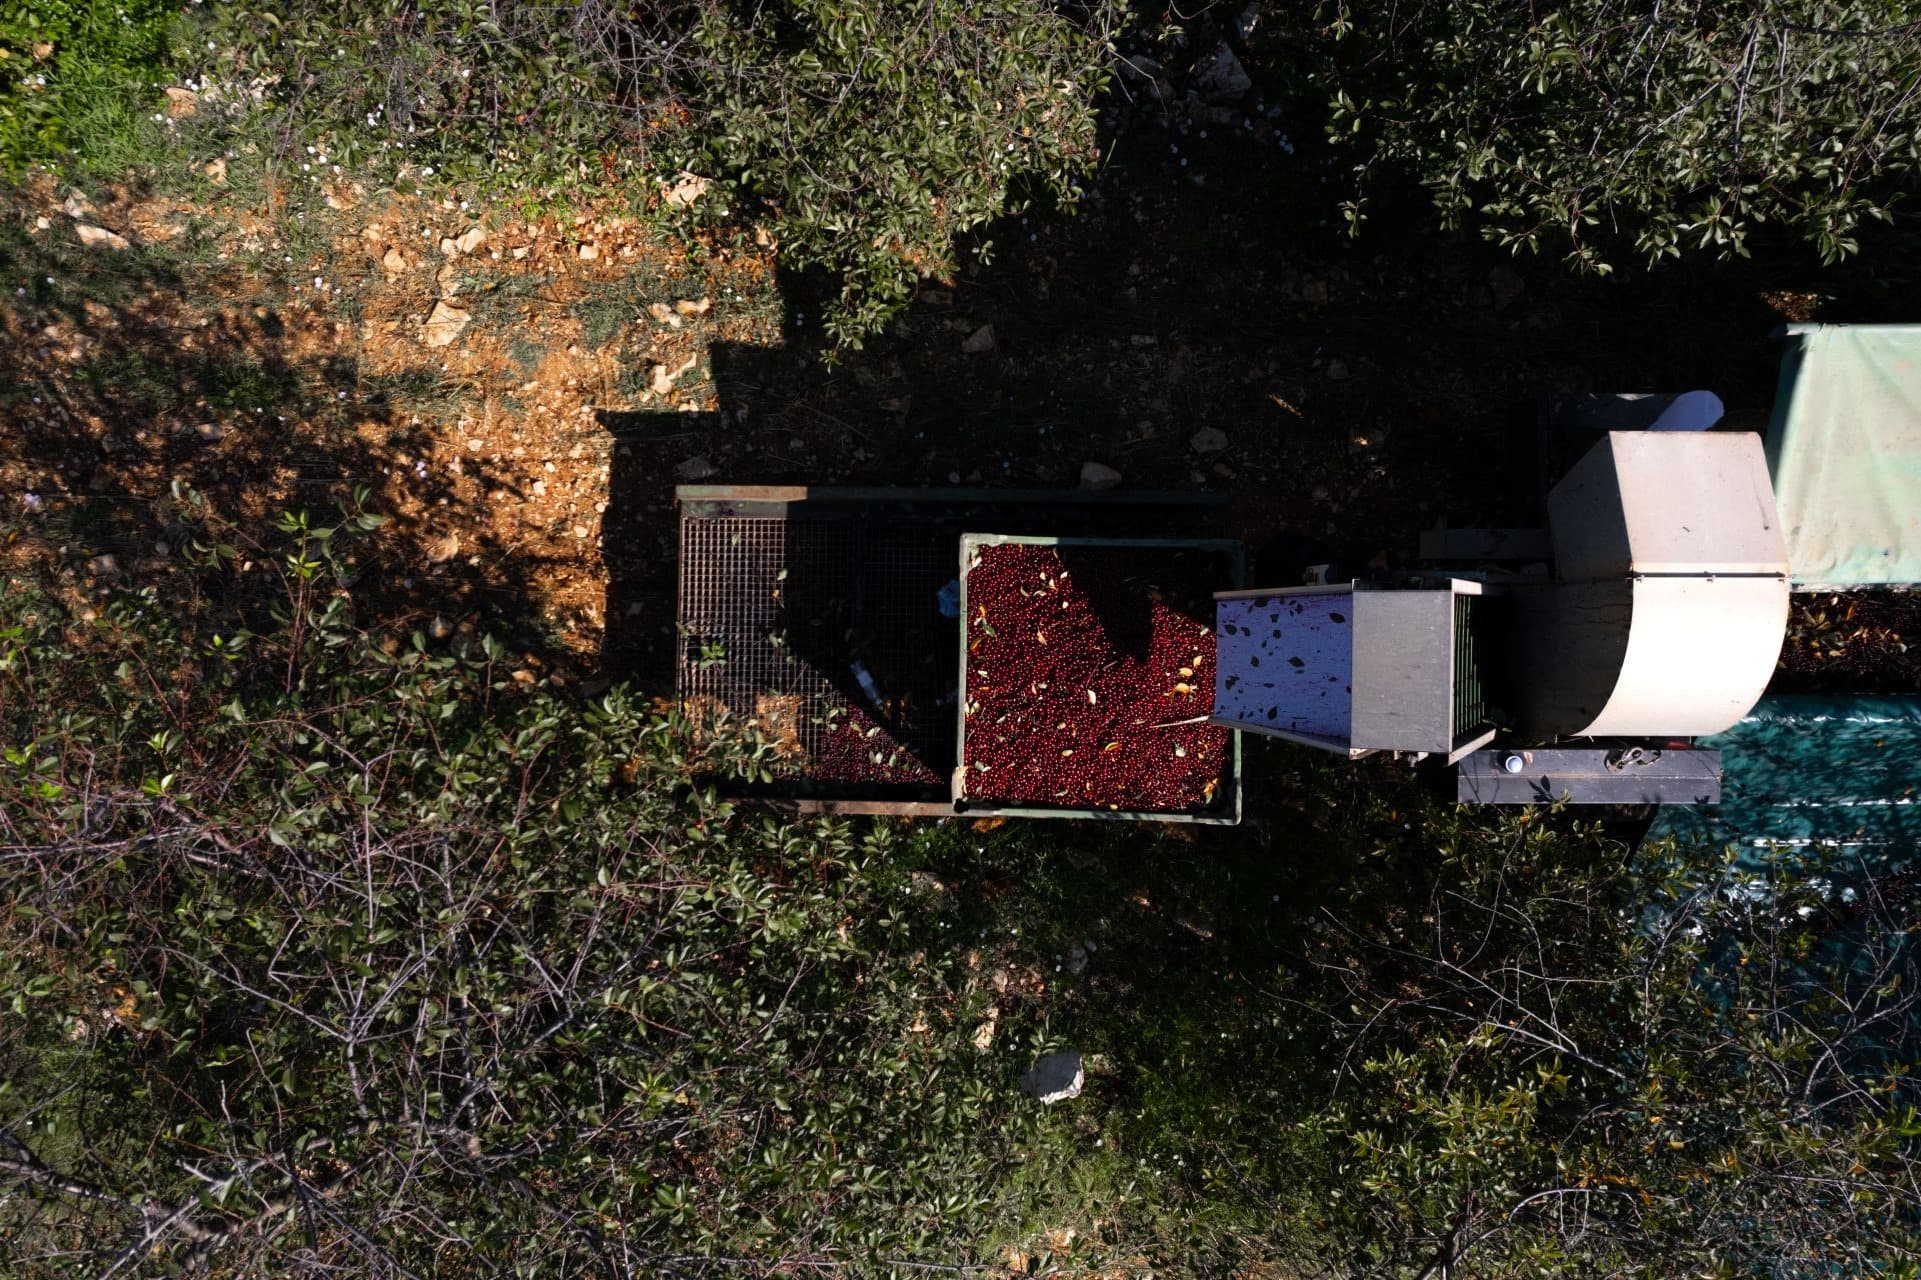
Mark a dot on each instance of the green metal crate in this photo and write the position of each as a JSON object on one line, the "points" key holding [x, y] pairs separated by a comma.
{"points": [[1226, 807]]}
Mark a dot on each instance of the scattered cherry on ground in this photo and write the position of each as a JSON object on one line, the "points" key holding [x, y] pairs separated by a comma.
{"points": [[857, 748]]}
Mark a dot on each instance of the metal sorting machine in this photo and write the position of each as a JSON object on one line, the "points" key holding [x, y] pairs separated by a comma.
{"points": [[1580, 661], [1657, 617], [834, 619]]}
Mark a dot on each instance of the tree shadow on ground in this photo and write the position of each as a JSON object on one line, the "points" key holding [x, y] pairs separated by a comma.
{"points": [[150, 384], [1197, 325]]}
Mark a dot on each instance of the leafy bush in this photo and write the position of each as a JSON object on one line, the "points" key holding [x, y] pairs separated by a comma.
{"points": [[874, 133], [62, 62], [354, 947], [1579, 1063], [863, 135], [1596, 126]]}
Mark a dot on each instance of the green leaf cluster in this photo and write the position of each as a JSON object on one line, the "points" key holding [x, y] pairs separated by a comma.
{"points": [[59, 57], [352, 944], [1600, 129]]}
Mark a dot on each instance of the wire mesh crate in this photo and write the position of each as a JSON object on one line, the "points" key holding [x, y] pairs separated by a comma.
{"points": [[827, 618]]}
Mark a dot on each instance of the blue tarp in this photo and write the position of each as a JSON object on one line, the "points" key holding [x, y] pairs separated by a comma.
{"points": [[1838, 771]]}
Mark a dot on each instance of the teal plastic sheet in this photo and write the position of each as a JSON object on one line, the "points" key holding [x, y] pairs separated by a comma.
{"points": [[1841, 772], [1844, 448]]}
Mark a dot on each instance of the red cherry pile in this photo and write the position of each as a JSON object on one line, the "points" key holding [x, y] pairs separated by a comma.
{"points": [[1083, 680]]}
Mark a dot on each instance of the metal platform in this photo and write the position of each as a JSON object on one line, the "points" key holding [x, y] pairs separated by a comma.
{"points": [[816, 613], [1594, 775]]}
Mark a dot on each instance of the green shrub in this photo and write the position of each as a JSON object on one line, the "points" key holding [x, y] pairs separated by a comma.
{"points": [[360, 948], [874, 133], [1599, 127], [66, 64], [863, 135], [1578, 1060]]}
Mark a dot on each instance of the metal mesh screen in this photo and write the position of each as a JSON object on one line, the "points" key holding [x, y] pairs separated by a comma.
{"points": [[828, 635], [1470, 699]]}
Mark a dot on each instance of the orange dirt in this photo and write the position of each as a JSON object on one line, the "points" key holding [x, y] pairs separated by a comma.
{"points": [[270, 392]]}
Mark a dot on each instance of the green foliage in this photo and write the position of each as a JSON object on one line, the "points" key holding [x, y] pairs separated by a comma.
{"points": [[1578, 1064], [65, 63], [1598, 127], [321, 939], [874, 133], [862, 135]]}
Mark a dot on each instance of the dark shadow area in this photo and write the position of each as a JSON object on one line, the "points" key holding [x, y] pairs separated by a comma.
{"points": [[1122, 588], [1200, 324], [156, 395]]}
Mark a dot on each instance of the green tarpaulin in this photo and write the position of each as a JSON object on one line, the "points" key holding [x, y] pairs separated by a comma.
{"points": [[1843, 772], [1845, 452]]}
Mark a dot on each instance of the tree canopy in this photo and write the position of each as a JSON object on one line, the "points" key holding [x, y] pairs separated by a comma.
{"points": [[1605, 130]]}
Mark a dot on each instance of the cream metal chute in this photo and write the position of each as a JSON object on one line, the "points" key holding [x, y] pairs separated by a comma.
{"points": [[1672, 592]]}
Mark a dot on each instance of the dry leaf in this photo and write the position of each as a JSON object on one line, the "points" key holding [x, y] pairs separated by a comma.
{"points": [[687, 188]]}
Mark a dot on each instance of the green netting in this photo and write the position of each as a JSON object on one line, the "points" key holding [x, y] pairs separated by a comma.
{"points": [[1845, 451], [1838, 771]]}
